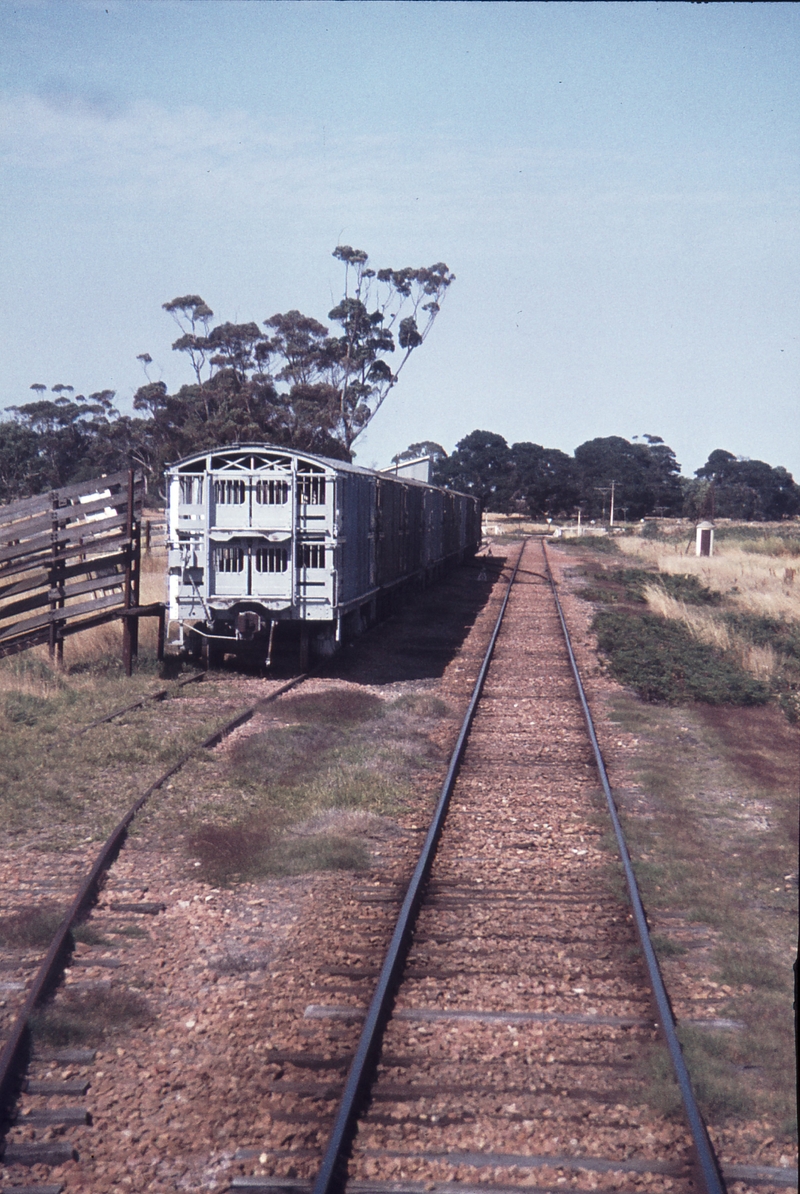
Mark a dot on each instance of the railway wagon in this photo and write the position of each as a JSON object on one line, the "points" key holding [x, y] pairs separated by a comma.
{"points": [[261, 537]]}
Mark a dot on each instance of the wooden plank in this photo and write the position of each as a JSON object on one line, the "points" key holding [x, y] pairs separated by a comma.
{"points": [[77, 536], [39, 576], [88, 530], [36, 638], [19, 532], [84, 509], [95, 584], [61, 615], [25, 508], [14, 608], [46, 559], [18, 551], [97, 485]]}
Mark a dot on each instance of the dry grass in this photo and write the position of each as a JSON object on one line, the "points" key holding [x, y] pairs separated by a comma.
{"points": [[755, 621], [705, 625], [753, 582]]}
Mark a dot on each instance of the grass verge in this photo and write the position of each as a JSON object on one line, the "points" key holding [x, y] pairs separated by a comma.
{"points": [[307, 790]]}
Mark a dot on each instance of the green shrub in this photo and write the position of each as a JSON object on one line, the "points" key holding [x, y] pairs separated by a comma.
{"points": [[764, 631], [682, 587], [661, 661]]}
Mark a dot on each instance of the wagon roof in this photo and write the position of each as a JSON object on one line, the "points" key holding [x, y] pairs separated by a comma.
{"points": [[326, 461]]}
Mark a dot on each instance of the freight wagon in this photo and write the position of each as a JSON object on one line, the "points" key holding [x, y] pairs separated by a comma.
{"points": [[263, 537]]}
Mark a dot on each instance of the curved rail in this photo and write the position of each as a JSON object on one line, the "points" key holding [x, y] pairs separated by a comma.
{"points": [[709, 1170], [16, 1050], [331, 1176]]}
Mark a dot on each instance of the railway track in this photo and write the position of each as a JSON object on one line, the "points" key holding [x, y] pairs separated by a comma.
{"points": [[505, 1041], [75, 883], [511, 1054]]}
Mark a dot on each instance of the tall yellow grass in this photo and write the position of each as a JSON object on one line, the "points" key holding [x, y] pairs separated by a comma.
{"points": [[705, 625], [753, 582]]}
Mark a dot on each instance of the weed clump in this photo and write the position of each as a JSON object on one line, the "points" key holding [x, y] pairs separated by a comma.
{"points": [[285, 755], [82, 1017], [30, 926], [662, 662], [319, 852], [422, 704]]}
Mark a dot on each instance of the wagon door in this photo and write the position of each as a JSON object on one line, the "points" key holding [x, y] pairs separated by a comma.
{"points": [[272, 505], [271, 568], [315, 494]]}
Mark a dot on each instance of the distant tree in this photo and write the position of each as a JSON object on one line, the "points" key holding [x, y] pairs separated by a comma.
{"points": [[426, 447], [481, 465], [375, 303], [646, 476], [336, 383], [22, 470], [749, 489], [545, 480], [66, 430]]}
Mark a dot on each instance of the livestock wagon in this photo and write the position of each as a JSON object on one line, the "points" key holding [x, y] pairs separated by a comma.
{"points": [[262, 536]]}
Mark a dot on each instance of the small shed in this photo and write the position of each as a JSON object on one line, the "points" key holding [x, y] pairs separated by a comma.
{"points": [[704, 541]]}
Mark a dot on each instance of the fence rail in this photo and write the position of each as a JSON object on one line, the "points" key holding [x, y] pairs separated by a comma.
{"points": [[71, 560]]}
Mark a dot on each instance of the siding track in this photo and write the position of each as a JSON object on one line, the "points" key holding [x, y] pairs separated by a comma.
{"points": [[35, 978]]}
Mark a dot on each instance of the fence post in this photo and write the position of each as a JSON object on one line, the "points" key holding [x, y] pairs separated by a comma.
{"points": [[56, 582], [127, 621]]}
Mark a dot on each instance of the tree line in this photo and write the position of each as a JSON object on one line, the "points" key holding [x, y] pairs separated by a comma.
{"points": [[294, 382], [290, 381], [529, 479]]}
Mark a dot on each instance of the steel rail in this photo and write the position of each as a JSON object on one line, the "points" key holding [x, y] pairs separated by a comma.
{"points": [[332, 1174], [16, 1050], [706, 1160], [151, 696]]}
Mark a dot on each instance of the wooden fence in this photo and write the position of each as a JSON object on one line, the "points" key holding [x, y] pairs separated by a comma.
{"points": [[71, 560]]}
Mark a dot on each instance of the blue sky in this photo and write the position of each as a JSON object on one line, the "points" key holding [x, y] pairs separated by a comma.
{"points": [[615, 187]]}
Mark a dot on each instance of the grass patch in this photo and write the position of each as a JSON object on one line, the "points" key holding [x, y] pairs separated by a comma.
{"points": [[756, 969], [283, 756], [422, 704], [84, 1017], [662, 662], [320, 852], [763, 631], [25, 709], [226, 854], [665, 947], [710, 816], [30, 926], [335, 706], [716, 1078]]}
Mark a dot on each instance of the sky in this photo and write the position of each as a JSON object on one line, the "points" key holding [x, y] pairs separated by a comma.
{"points": [[615, 187]]}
